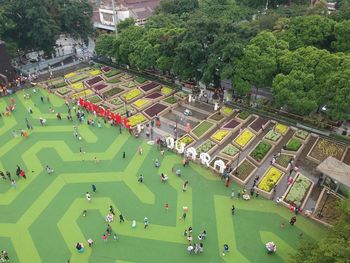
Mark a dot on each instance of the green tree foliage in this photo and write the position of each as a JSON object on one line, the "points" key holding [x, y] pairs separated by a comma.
{"points": [[335, 247], [36, 24], [342, 36], [177, 6], [125, 24], [105, 45]]}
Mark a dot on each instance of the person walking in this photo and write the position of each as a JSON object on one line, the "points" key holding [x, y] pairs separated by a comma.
{"points": [[22, 174], [140, 150], [111, 210], [109, 230], [184, 216], [232, 193], [88, 196], [124, 155], [293, 220], [233, 209], [226, 249], [121, 218], [94, 188], [42, 99], [90, 242], [8, 174], [18, 170], [140, 180], [227, 182], [184, 187], [13, 183], [104, 238], [146, 223]]}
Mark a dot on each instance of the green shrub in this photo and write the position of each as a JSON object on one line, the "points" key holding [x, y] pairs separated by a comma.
{"points": [[293, 145], [243, 115], [261, 150]]}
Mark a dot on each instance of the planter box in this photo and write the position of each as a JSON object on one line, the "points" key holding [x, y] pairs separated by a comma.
{"points": [[227, 111], [211, 150], [259, 125], [243, 120], [256, 162], [188, 144], [208, 129], [231, 157], [157, 109], [171, 102], [244, 181], [223, 139], [155, 96], [63, 92], [181, 95], [149, 87], [302, 138], [306, 195], [93, 81], [123, 95], [232, 125], [112, 92], [334, 149], [217, 157], [144, 120], [284, 168], [144, 105], [264, 193], [126, 76], [242, 147], [217, 117], [272, 141], [296, 153]]}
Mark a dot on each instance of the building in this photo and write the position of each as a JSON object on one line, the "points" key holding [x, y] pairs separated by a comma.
{"points": [[140, 10]]}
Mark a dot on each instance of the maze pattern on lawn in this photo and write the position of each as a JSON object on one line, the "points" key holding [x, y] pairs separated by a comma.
{"points": [[40, 220]]}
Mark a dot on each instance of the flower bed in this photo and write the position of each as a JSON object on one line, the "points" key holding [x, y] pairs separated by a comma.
{"points": [[243, 172], [227, 111], [154, 95], [282, 129], [187, 140], [206, 147], [201, 129], [70, 75], [171, 100], [232, 125], [140, 80], [155, 110], [131, 95], [78, 78], [273, 136], [244, 138], [116, 102], [243, 115], [59, 85], [82, 94], [63, 91], [220, 136], [122, 110], [99, 87], [113, 81], [149, 86], [127, 76], [324, 148], [166, 90], [181, 95], [93, 81], [260, 152], [95, 99], [230, 151], [217, 117], [78, 86], [293, 145], [105, 69], [136, 119], [271, 178], [112, 73], [301, 134], [112, 92], [296, 194], [259, 124], [283, 161], [142, 103], [95, 72]]}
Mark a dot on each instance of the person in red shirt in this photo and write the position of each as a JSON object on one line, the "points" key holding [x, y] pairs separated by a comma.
{"points": [[22, 174]]}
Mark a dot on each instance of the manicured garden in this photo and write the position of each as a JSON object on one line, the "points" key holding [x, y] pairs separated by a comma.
{"points": [[270, 179], [220, 135], [299, 189], [112, 92], [293, 145], [202, 128], [244, 138], [324, 148], [244, 170], [230, 150], [205, 147], [260, 151], [155, 110], [131, 95]]}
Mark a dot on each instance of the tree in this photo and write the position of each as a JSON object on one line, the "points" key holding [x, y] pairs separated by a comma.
{"points": [[341, 34], [178, 7], [106, 45], [125, 24]]}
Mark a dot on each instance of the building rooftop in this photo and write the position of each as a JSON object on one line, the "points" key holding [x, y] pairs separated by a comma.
{"points": [[335, 169]]}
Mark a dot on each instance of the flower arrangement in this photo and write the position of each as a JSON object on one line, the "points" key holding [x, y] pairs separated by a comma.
{"points": [[130, 84], [95, 72], [113, 81], [270, 179], [78, 78], [220, 135], [140, 80], [273, 136], [283, 160], [112, 92], [141, 103], [298, 190], [166, 90], [95, 99], [244, 138], [280, 128], [230, 150], [132, 94], [78, 86], [205, 147], [137, 119], [186, 139]]}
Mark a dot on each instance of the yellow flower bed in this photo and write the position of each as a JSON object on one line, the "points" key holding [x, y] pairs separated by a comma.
{"points": [[270, 179], [142, 103], [136, 119], [244, 138], [132, 94], [95, 72], [220, 135], [282, 129], [82, 94], [78, 85], [186, 139], [166, 90], [69, 75]]}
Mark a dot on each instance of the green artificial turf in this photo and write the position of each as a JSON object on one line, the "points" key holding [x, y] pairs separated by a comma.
{"points": [[41, 221]]}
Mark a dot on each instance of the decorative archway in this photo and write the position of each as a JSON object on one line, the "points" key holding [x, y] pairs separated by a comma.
{"points": [[221, 165]]}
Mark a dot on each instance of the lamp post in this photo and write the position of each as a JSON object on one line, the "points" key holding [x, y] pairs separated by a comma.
{"points": [[320, 215], [115, 18]]}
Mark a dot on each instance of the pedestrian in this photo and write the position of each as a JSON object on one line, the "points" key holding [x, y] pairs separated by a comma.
{"points": [[96, 160], [30, 110], [84, 213], [120, 129], [293, 220], [13, 183], [185, 233], [8, 174], [18, 170], [123, 155], [93, 188], [282, 225], [22, 174], [14, 134], [90, 242], [166, 206], [232, 194], [145, 221], [140, 150], [256, 194], [121, 218], [115, 237], [227, 182], [251, 191], [48, 98], [226, 249], [184, 187], [140, 180], [233, 209], [109, 230], [104, 238], [111, 210], [88, 196], [42, 99], [184, 216]]}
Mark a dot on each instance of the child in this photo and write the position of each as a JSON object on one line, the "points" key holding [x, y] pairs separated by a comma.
{"points": [[90, 242], [133, 225], [115, 237], [84, 213]]}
